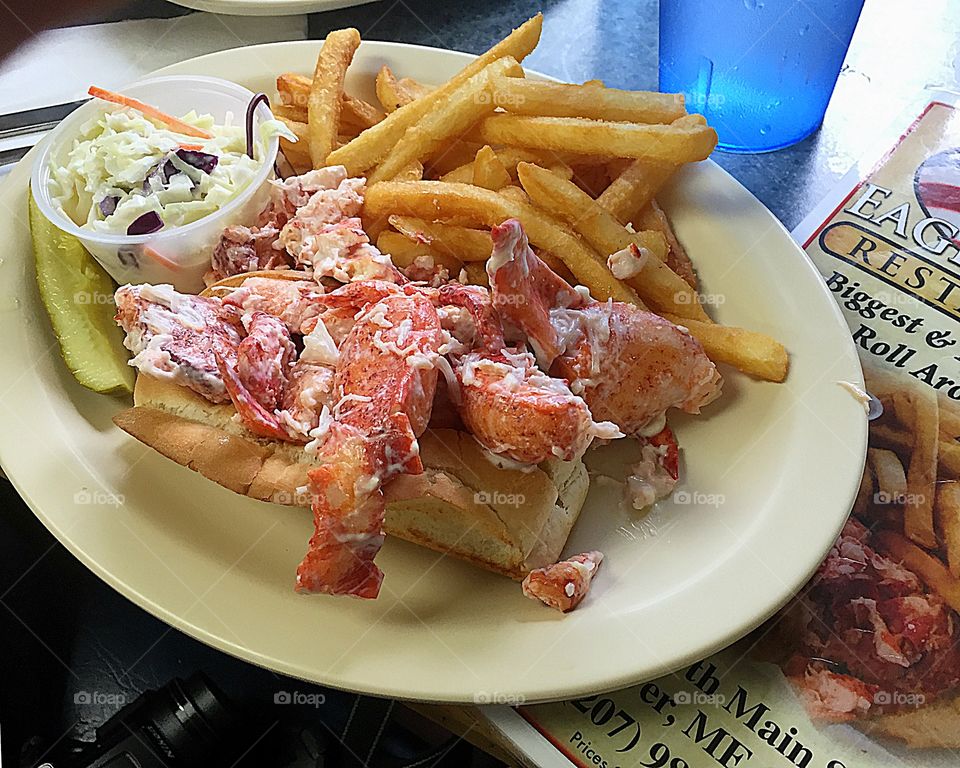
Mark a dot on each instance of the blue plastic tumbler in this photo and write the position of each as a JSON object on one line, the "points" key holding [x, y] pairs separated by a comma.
{"points": [[760, 71]]}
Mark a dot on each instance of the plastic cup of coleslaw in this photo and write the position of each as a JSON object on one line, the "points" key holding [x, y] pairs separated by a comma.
{"points": [[149, 207]]}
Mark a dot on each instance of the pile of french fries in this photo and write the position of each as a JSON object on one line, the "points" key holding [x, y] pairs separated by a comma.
{"points": [[578, 165], [911, 484]]}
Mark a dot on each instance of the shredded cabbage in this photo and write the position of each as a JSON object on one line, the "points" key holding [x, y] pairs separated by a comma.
{"points": [[121, 154]]}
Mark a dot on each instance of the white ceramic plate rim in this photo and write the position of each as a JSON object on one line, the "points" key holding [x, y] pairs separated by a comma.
{"points": [[269, 7], [613, 666]]}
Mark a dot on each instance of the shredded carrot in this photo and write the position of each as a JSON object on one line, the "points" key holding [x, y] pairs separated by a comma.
{"points": [[160, 259], [191, 147], [152, 112]]}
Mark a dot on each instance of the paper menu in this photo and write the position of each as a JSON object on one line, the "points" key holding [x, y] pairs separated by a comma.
{"points": [[863, 668]]}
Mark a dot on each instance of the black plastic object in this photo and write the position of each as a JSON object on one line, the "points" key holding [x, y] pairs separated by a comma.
{"points": [[185, 723], [260, 98]]}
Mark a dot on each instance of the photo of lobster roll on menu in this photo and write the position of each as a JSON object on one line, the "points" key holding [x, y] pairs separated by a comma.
{"points": [[874, 638]]}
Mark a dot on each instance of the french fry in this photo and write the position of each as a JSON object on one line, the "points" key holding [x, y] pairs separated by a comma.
{"points": [[476, 274], [931, 571], [510, 157], [656, 284], [557, 266], [864, 494], [634, 188], [534, 97], [566, 201], [947, 508], [488, 171], [690, 121], [654, 143], [294, 89], [949, 418], [900, 440], [394, 92], [373, 145], [517, 195], [468, 245], [326, 92], [949, 458], [413, 172], [653, 217], [559, 169], [592, 179], [404, 252], [919, 408], [452, 155], [748, 351], [300, 130], [448, 118], [615, 167], [355, 114], [573, 159], [290, 112], [298, 152], [891, 479], [440, 200], [389, 91], [415, 88], [464, 243], [547, 158], [462, 174], [950, 411], [884, 383]]}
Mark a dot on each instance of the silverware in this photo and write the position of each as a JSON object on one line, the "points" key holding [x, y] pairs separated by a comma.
{"points": [[31, 124], [35, 120], [11, 156]]}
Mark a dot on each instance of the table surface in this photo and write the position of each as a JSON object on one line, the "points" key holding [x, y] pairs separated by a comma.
{"points": [[68, 623], [895, 54]]}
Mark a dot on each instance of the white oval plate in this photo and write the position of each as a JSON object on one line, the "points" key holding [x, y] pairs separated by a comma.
{"points": [[268, 7], [770, 474]]}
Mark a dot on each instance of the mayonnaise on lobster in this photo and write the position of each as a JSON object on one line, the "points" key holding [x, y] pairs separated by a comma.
{"points": [[648, 363], [383, 406], [172, 336], [563, 585], [345, 362]]}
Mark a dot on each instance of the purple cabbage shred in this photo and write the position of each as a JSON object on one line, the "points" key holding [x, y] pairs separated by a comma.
{"points": [[202, 161], [108, 205], [145, 224]]}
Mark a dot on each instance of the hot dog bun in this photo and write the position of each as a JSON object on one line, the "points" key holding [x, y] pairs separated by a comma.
{"points": [[503, 520]]}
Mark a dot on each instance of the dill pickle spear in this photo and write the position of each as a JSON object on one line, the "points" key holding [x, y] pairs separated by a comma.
{"points": [[78, 296]]}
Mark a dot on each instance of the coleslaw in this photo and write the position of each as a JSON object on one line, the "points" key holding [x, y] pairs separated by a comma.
{"points": [[126, 174]]}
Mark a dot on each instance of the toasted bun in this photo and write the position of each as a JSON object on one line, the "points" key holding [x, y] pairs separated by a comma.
{"points": [[934, 725], [234, 281], [502, 520]]}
